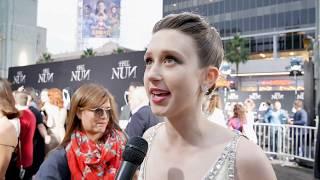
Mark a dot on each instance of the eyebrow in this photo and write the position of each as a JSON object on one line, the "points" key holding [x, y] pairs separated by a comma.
{"points": [[175, 53]]}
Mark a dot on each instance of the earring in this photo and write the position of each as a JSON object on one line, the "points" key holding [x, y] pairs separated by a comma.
{"points": [[204, 88]]}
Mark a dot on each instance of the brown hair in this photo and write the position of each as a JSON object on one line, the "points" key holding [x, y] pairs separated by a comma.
{"points": [[90, 96], [298, 103], [206, 38], [239, 112], [214, 102], [7, 103], [55, 97]]}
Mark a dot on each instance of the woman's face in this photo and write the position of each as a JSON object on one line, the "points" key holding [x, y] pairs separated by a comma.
{"points": [[44, 96], [172, 76], [94, 121], [101, 7]]}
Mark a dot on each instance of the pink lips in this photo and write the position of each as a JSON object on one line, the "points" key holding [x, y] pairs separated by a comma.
{"points": [[158, 95]]}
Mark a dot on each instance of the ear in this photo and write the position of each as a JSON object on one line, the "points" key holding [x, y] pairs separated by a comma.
{"points": [[79, 114], [211, 76]]}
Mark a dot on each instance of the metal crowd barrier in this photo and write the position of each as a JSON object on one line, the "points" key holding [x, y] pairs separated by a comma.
{"points": [[287, 141]]}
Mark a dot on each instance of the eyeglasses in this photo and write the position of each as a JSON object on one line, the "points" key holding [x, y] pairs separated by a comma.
{"points": [[99, 112]]}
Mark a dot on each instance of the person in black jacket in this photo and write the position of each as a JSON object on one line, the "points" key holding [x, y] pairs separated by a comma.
{"points": [[142, 117]]}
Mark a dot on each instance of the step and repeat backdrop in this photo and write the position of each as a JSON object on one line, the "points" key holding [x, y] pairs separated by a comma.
{"points": [[114, 72]]}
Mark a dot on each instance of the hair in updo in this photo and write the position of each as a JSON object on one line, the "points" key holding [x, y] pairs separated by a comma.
{"points": [[206, 38]]}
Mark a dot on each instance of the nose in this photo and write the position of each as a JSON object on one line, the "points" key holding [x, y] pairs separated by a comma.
{"points": [[153, 73]]}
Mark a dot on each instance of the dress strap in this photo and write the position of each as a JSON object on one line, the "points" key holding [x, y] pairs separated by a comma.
{"points": [[7, 145], [232, 156], [149, 139], [153, 133], [228, 156]]}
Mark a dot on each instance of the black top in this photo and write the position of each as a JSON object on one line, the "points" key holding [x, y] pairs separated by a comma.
{"points": [[55, 167], [140, 121]]}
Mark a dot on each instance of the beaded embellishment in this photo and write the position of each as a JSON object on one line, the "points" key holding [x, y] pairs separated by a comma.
{"points": [[228, 156]]}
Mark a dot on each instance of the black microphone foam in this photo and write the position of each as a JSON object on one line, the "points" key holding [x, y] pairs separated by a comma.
{"points": [[135, 150], [133, 155]]}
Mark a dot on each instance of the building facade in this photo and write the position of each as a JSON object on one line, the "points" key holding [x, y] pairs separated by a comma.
{"points": [[21, 41], [275, 28]]}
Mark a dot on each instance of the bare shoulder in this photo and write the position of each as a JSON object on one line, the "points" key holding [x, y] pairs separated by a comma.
{"points": [[252, 163], [8, 133]]}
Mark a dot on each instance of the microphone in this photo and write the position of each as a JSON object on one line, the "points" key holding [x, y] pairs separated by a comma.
{"points": [[133, 155]]}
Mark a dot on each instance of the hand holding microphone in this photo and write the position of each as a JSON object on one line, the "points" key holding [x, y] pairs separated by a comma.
{"points": [[133, 155]]}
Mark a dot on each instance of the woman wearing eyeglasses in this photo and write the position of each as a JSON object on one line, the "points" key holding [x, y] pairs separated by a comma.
{"points": [[93, 145]]}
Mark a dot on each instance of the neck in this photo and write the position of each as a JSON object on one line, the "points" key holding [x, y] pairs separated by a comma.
{"points": [[186, 128], [94, 137]]}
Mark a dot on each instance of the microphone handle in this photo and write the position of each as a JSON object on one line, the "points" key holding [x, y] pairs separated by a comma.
{"points": [[126, 171]]}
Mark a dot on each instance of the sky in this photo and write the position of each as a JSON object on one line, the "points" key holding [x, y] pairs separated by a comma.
{"points": [[59, 17]]}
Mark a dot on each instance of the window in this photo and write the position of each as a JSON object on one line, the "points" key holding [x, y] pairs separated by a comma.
{"points": [[228, 28], [268, 44], [281, 20], [273, 20], [289, 40], [216, 8], [312, 16], [253, 45], [246, 4], [253, 22], [239, 27], [252, 4], [246, 24], [288, 19], [228, 5], [259, 22], [304, 16], [234, 26], [267, 21], [296, 18]]}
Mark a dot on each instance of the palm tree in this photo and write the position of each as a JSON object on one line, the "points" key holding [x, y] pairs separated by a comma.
{"points": [[237, 51], [88, 53], [118, 51], [45, 58]]}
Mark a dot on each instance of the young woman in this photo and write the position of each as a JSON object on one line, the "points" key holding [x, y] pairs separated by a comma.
{"points": [[215, 114], [238, 119], [56, 117], [9, 126], [93, 145], [182, 61]]}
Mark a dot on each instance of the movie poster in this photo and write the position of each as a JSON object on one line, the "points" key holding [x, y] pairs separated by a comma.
{"points": [[101, 19]]}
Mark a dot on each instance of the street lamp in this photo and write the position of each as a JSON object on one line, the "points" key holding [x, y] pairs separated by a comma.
{"points": [[295, 70]]}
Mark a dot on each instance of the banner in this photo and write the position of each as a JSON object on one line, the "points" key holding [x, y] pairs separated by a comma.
{"points": [[115, 72], [100, 19]]}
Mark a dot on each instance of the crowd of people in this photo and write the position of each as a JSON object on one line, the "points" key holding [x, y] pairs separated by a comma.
{"points": [[187, 136]]}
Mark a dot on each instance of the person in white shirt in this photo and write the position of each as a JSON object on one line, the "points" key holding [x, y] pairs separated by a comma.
{"points": [[215, 114], [248, 127]]}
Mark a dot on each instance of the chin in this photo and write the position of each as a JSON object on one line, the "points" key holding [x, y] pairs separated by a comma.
{"points": [[159, 111]]}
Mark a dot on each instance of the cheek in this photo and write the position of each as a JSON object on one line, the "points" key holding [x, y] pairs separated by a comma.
{"points": [[86, 121]]}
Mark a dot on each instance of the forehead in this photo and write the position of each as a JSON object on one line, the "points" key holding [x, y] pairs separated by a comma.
{"points": [[95, 103], [173, 41]]}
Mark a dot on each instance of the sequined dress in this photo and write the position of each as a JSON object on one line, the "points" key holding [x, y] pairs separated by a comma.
{"points": [[222, 169]]}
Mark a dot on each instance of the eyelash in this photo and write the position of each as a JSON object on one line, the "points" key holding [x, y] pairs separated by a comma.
{"points": [[148, 61], [167, 59], [172, 58]]}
